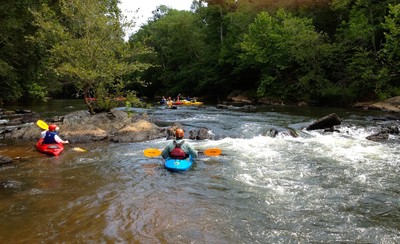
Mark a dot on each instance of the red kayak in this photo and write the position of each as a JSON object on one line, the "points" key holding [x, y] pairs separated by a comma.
{"points": [[178, 103], [50, 149]]}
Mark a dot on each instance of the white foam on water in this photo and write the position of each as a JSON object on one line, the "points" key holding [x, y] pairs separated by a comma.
{"points": [[283, 164]]}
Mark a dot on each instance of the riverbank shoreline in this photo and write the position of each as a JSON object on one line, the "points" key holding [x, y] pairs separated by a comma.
{"points": [[388, 105]]}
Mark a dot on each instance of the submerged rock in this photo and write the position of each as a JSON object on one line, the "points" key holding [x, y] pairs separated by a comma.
{"points": [[5, 160], [384, 132], [240, 108], [10, 184], [282, 132], [380, 136]]}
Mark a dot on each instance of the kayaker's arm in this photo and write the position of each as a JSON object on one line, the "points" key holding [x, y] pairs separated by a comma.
{"points": [[166, 151], [191, 151], [59, 140]]}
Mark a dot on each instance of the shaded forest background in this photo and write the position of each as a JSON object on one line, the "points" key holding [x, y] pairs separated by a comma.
{"points": [[320, 52]]}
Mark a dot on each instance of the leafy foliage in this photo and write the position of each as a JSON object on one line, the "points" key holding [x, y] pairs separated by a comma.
{"points": [[389, 76], [179, 46], [18, 58], [86, 47], [309, 51], [277, 45]]}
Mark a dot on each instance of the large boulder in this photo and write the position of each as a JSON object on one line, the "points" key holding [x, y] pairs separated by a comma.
{"points": [[24, 131], [113, 120], [82, 133], [141, 130], [81, 126], [200, 134], [327, 122]]}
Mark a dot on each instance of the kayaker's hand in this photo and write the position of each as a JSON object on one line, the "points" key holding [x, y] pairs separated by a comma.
{"points": [[65, 142]]}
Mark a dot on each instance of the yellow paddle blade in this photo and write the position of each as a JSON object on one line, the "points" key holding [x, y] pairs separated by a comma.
{"points": [[42, 124], [212, 152], [79, 149], [152, 152]]}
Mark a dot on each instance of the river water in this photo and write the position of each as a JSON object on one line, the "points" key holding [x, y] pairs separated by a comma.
{"points": [[316, 188]]}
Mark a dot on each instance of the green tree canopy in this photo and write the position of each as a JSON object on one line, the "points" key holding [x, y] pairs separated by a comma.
{"points": [[287, 50], [389, 81], [85, 46], [179, 45], [18, 58]]}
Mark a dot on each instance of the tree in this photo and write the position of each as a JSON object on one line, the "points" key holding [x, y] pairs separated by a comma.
{"points": [[85, 47], [178, 43], [390, 74], [233, 71], [19, 60], [359, 40], [288, 52]]}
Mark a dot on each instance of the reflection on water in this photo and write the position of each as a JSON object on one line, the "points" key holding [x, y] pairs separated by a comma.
{"points": [[336, 187], [53, 107]]}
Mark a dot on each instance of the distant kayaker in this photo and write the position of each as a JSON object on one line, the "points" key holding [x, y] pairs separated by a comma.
{"points": [[178, 148], [163, 100], [170, 103], [50, 136]]}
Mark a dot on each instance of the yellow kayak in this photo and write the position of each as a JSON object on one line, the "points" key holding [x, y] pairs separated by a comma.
{"points": [[191, 103]]}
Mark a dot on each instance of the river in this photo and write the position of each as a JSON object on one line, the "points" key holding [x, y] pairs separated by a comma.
{"points": [[316, 188]]}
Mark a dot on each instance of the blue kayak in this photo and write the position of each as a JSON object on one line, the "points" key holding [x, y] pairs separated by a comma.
{"points": [[178, 164]]}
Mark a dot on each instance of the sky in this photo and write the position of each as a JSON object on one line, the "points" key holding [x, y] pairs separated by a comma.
{"points": [[147, 6]]}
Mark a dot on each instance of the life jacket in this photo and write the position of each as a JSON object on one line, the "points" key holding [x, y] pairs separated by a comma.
{"points": [[49, 138], [177, 152]]}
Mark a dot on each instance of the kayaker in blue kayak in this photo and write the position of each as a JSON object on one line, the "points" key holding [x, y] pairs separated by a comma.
{"points": [[178, 148], [50, 136]]}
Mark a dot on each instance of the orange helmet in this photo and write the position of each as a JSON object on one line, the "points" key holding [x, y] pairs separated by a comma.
{"points": [[179, 133], [53, 127]]}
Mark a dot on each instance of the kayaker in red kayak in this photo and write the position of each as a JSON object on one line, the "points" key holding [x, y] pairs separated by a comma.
{"points": [[51, 136], [178, 149]]}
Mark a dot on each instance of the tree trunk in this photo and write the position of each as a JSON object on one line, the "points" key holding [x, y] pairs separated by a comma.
{"points": [[88, 101], [221, 27]]}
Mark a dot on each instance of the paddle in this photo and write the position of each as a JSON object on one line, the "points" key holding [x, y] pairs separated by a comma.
{"points": [[42, 124], [45, 126], [154, 152], [212, 152], [78, 149]]}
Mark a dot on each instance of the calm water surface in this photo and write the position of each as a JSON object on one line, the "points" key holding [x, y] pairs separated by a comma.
{"points": [[335, 187]]}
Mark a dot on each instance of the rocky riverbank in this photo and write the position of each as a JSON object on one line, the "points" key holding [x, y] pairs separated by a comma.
{"points": [[115, 126], [83, 127], [238, 101], [389, 105]]}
